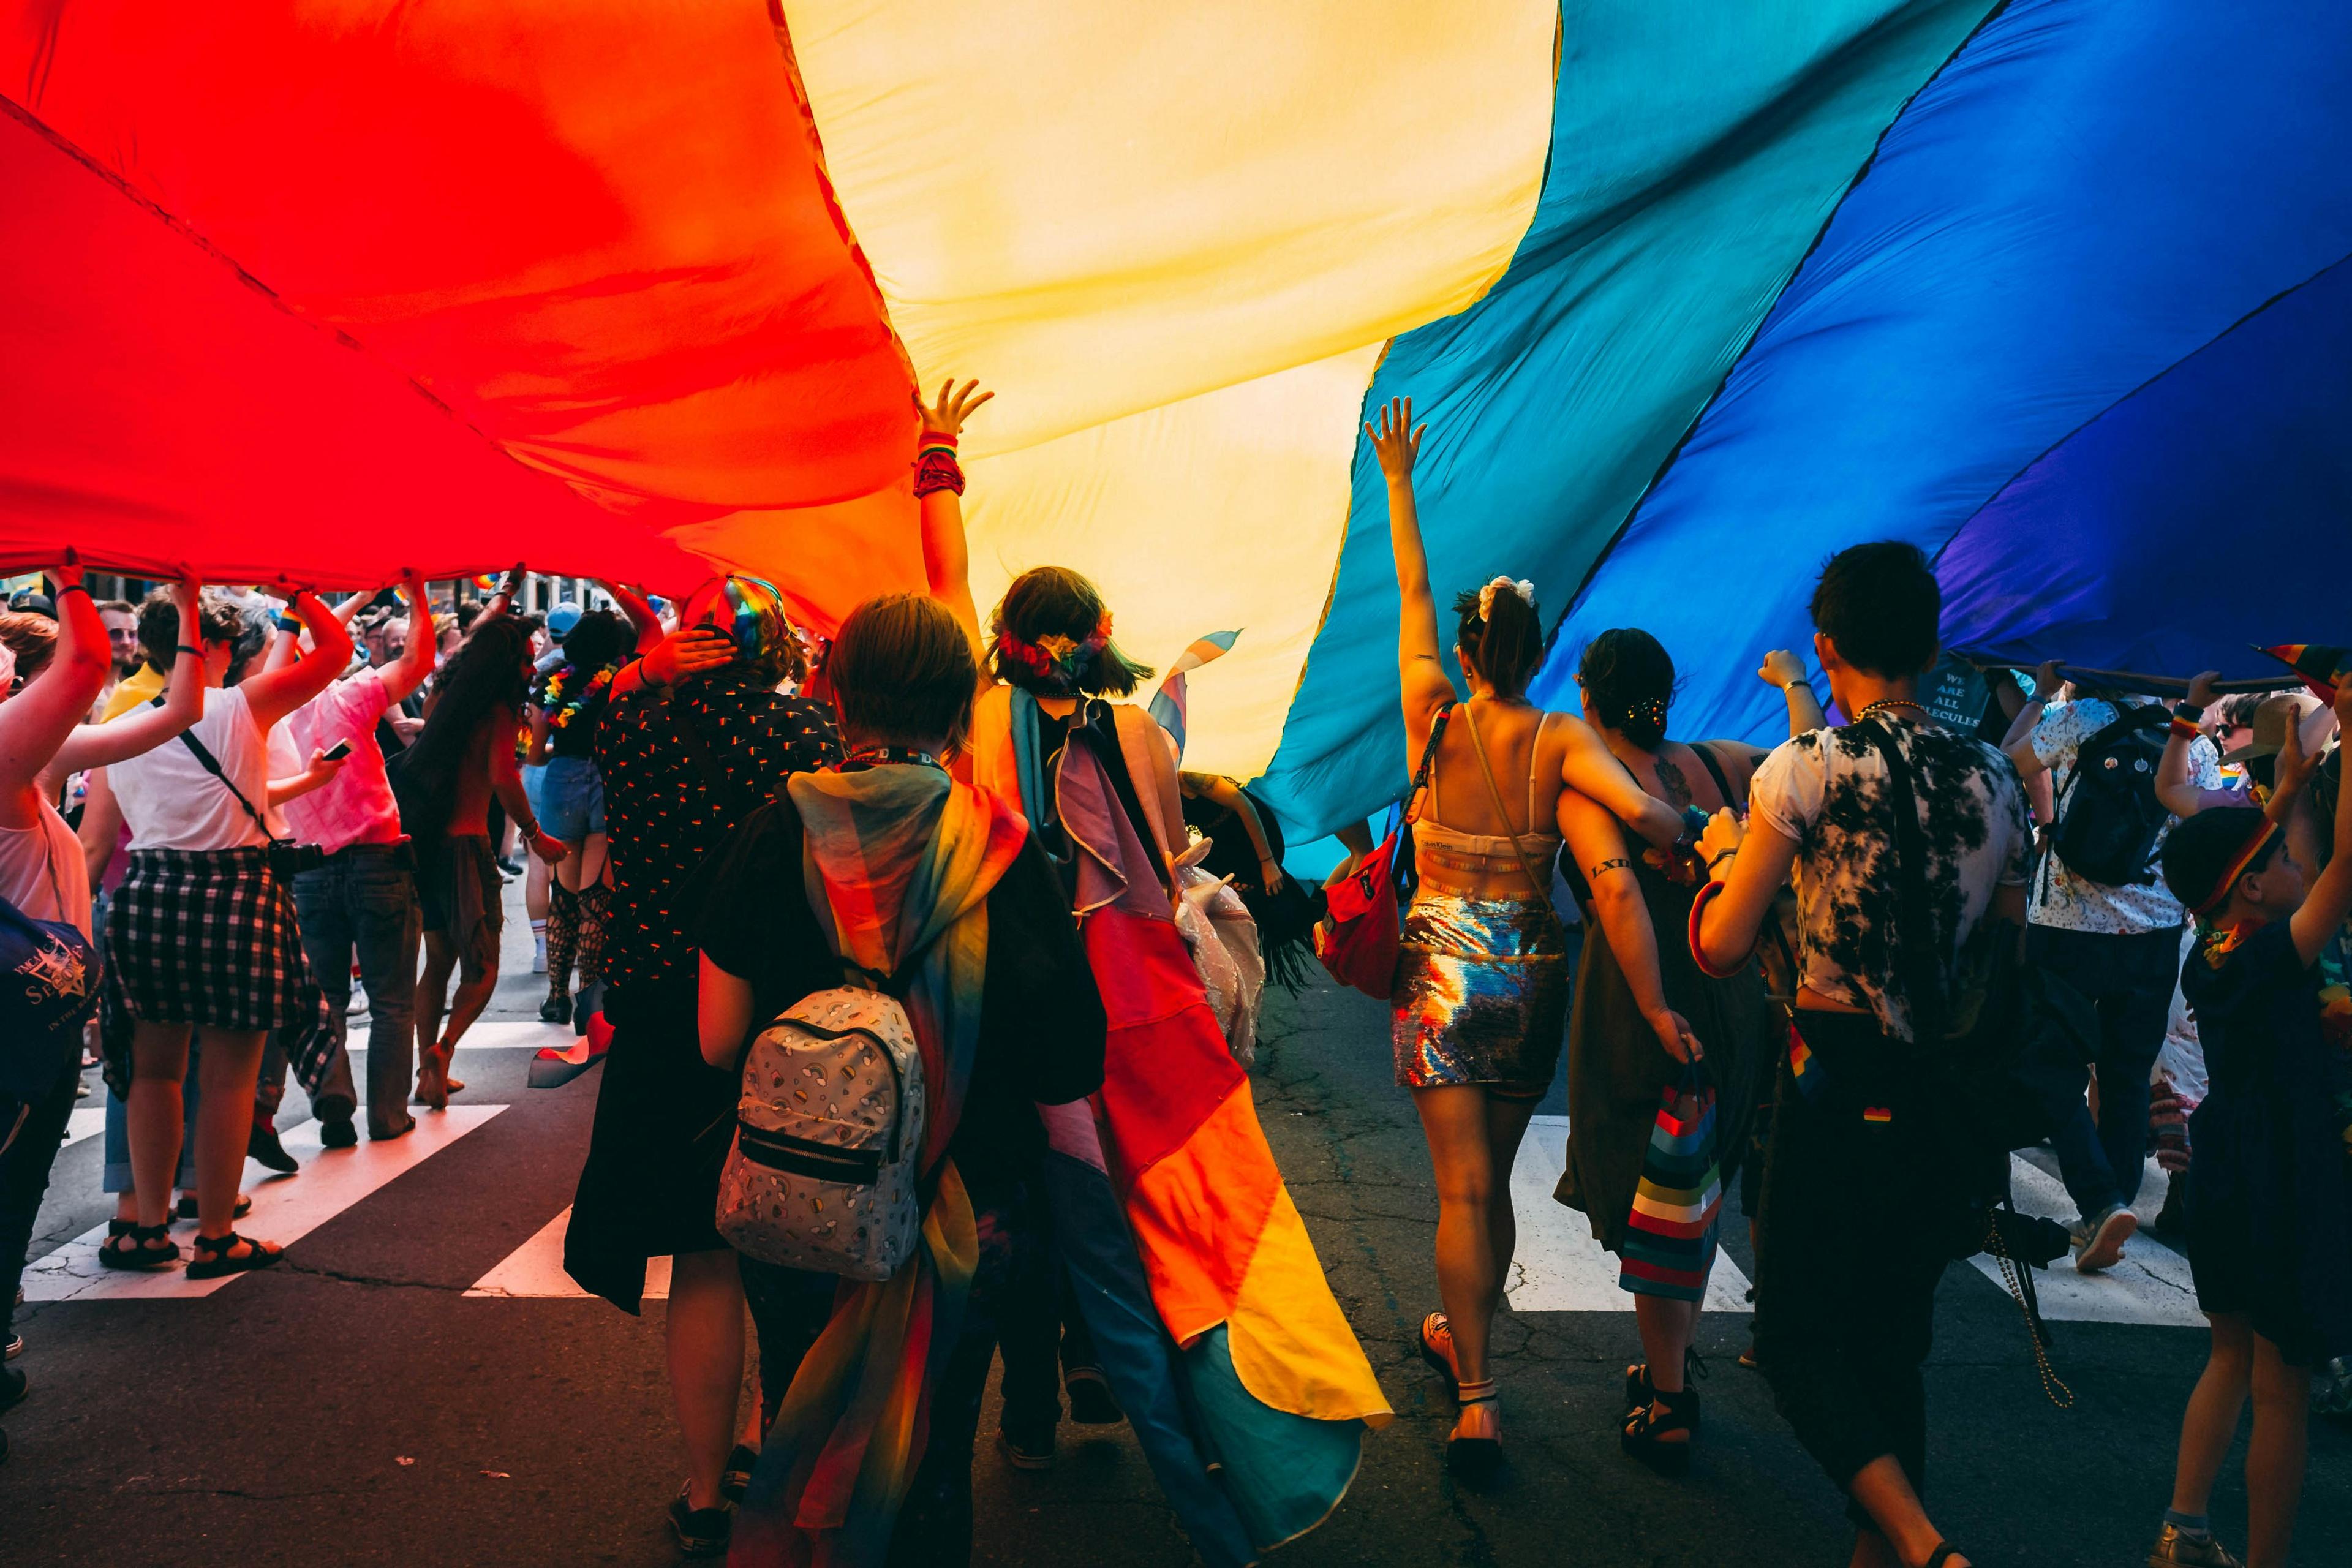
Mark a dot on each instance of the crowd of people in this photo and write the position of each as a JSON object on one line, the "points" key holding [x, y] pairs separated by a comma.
{"points": [[1839, 973]]}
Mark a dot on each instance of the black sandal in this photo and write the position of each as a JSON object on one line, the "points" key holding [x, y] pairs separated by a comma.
{"points": [[1644, 1438], [1640, 1391], [187, 1208], [1945, 1551], [211, 1259], [143, 1253]]}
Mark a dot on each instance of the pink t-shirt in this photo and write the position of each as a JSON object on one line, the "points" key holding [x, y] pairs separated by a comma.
{"points": [[356, 805]]}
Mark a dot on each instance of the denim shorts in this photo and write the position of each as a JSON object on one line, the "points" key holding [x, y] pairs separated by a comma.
{"points": [[571, 799]]}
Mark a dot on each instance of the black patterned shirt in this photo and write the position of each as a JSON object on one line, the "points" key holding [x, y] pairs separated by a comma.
{"points": [[1828, 791], [663, 814]]}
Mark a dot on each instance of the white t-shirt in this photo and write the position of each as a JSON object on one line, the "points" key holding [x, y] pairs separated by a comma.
{"points": [[170, 801], [1828, 791], [42, 872], [2071, 902]]}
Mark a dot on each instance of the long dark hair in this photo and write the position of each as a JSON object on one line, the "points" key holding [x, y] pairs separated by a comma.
{"points": [[1630, 678], [1052, 637], [488, 671]]}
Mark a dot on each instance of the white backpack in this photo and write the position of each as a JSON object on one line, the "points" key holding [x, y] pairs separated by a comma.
{"points": [[829, 1139]]}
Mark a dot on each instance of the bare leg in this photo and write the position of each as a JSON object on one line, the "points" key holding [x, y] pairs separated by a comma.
{"points": [[1507, 1125], [2275, 1455], [1469, 1277], [433, 988], [153, 1115], [230, 1063], [1667, 1329], [473, 996], [705, 1335], [1881, 1487], [2211, 1421]]}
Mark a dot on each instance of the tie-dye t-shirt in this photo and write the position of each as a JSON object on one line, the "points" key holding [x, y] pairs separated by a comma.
{"points": [[1828, 791]]}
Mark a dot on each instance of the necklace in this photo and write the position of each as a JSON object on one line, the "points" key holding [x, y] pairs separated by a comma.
{"points": [[1884, 702]]}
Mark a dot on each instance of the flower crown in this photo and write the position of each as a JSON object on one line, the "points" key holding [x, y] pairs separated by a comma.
{"points": [[1054, 659], [1521, 586]]}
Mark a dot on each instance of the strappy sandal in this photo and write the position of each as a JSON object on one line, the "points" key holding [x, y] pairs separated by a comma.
{"points": [[1640, 1391], [1440, 1358], [1475, 1450], [1644, 1438], [212, 1260], [143, 1253]]}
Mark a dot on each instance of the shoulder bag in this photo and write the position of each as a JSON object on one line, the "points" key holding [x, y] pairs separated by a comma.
{"points": [[1356, 939]]}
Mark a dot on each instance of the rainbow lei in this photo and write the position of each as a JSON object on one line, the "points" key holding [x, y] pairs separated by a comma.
{"points": [[560, 711], [1053, 658]]}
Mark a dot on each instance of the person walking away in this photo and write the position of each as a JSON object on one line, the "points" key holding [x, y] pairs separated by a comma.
{"points": [[203, 936], [360, 904], [1842, 1330], [937, 884], [1646, 1023], [2270, 1162], [1482, 982], [695, 738], [51, 671], [463, 757], [567, 703], [2103, 919]]}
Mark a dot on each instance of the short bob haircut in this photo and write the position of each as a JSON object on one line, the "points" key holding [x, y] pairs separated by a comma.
{"points": [[902, 672]]}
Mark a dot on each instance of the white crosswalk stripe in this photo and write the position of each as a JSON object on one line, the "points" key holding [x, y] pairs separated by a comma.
{"points": [[283, 1210], [535, 1269], [511, 1035], [1560, 1269]]}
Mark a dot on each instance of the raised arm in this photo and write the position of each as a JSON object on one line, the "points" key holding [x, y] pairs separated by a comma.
{"points": [[1598, 842], [147, 727], [640, 610], [406, 673], [2330, 898], [2174, 790], [2048, 681], [1420, 668], [35, 723], [939, 484], [1785, 672], [278, 692]]}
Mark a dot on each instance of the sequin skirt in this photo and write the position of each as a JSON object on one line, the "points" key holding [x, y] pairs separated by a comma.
{"points": [[1482, 993]]}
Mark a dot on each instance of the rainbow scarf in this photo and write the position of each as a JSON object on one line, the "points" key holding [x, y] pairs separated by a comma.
{"points": [[897, 861]]}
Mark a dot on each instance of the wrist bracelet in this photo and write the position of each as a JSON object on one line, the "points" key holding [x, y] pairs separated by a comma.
{"points": [[183, 648], [2183, 728], [935, 468], [1699, 955], [71, 588], [1721, 855], [1789, 686]]}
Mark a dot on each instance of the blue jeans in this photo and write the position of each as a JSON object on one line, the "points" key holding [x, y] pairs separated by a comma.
{"points": [[362, 903], [25, 1176], [2130, 980]]}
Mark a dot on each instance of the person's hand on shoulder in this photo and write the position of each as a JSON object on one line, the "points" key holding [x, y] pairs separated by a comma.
{"points": [[688, 652]]}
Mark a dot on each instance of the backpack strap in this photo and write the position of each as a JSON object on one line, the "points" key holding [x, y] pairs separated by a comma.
{"points": [[1922, 987], [212, 765]]}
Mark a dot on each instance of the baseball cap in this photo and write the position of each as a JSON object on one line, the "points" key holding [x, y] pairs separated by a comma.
{"points": [[564, 618], [33, 602]]}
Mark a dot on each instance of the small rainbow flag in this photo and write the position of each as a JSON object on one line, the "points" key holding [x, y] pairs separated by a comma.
{"points": [[1169, 704], [2320, 664]]}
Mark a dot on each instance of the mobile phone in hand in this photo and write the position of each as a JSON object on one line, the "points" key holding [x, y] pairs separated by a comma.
{"points": [[336, 752]]}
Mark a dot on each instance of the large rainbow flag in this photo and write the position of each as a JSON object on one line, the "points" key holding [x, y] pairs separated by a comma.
{"points": [[1691, 293]]}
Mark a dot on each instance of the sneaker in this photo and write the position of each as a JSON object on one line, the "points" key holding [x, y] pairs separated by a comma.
{"points": [[2099, 1239], [358, 1005], [509, 869], [2173, 1548], [539, 952], [701, 1531], [1091, 1403], [262, 1146], [1029, 1452], [337, 1133]]}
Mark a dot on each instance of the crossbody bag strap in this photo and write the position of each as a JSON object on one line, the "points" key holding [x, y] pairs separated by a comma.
{"points": [[1542, 885], [212, 765], [1923, 986], [1421, 773]]}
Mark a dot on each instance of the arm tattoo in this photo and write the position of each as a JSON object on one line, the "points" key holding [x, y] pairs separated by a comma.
{"points": [[1619, 864]]}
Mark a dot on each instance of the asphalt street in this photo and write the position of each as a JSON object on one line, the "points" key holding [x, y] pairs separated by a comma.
{"points": [[413, 1385]]}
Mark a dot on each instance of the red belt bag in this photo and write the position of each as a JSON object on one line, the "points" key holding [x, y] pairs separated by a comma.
{"points": [[1356, 939]]}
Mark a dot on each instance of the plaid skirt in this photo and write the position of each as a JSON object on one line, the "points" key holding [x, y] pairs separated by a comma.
{"points": [[208, 937]]}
